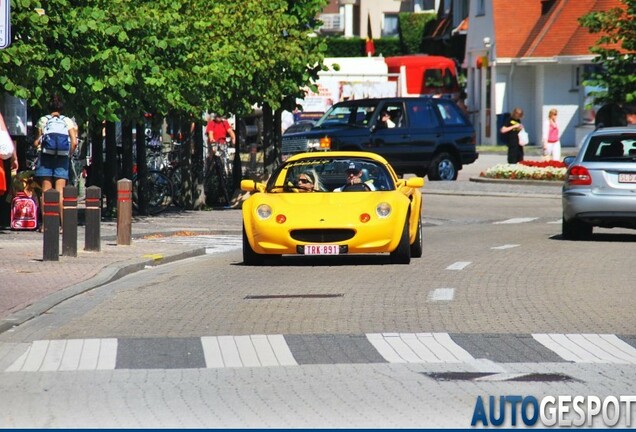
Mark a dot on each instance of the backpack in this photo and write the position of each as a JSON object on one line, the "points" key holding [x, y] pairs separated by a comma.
{"points": [[24, 212], [55, 138]]}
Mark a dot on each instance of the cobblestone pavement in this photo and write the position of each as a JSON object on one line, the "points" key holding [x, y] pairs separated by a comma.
{"points": [[30, 286]]}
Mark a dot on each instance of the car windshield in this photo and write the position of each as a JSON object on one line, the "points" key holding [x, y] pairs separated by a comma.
{"points": [[348, 115], [611, 148], [328, 174]]}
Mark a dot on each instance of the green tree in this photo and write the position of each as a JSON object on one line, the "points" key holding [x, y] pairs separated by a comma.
{"points": [[616, 50]]}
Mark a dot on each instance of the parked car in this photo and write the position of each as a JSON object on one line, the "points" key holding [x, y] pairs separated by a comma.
{"points": [[378, 214], [430, 136], [600, 184]]}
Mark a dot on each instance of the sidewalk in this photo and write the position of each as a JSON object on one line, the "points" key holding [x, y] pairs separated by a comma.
{"points": [[31, 286]]}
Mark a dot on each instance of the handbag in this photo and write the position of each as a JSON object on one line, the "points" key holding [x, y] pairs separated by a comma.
{"points": [[524, 139], [6, 145]]}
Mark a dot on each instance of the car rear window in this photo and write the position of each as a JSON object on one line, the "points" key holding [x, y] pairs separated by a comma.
{"points": [[611, 147]]}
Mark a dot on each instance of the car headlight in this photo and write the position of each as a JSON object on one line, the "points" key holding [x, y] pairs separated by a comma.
{"points": [[383, 210], [264, 211], [313, 144]]}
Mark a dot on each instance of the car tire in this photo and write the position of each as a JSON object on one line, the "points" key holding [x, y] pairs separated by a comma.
{"points": [[250, 257], [575, 230], [402, 254], [443, 167], [416, 247]]}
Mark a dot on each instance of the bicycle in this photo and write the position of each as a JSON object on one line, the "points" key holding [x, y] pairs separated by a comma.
{"points": [[218, 173], [158, 190], [77, 168]]}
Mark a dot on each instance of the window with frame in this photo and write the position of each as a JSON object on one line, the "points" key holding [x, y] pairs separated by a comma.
{"points": [[481, 7], [390, 25]]}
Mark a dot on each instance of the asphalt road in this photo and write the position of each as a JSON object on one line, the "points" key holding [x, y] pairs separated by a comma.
{"points": [[498, 305]]}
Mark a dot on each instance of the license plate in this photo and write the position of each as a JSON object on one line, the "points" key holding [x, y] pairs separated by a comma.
{"points": [[322, 250], [626, 178]]}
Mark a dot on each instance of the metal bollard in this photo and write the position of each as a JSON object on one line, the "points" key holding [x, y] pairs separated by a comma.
{"points": [[69, 221], [124, 211], [51, 221], [93, 219]]}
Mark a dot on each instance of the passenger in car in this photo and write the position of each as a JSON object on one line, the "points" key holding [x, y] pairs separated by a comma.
{"points": [[615, 149], [385, 121], [308, 181]]}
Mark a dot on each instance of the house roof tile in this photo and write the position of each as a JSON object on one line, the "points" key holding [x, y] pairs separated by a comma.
{"points": [[523, 31]]}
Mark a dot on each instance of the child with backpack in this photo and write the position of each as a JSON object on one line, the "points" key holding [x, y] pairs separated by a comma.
{"points": [[56, 138]]}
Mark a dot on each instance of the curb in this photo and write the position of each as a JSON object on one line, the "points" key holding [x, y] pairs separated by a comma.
{"points": [[108, 274]]}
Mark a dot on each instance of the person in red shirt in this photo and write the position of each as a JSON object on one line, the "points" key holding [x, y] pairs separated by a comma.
{"points": [[218, 129]]}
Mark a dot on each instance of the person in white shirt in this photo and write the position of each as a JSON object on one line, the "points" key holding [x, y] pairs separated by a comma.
{"points": [[386, 121]]}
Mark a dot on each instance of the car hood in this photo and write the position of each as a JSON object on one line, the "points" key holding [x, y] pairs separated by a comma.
{"points": [[314, 207], [317, 132]]}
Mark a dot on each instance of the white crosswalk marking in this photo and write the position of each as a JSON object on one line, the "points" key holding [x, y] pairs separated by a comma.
{"points": [[516, 220], [246, 351], [213, 243], [589, 348], [418, 348], [65, 355]]}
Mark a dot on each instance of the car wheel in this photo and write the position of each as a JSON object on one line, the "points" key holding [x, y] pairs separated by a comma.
{"points": [[575, 230], [249, 256], [443, 167], [402, 254], [416, 247]]}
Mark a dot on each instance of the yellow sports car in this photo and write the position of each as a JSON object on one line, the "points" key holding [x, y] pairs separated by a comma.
{"points": [[333, 203]]}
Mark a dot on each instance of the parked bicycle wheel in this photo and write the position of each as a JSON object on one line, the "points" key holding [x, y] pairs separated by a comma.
{"points": [[158, 191], [176, 178], [218, 185]]}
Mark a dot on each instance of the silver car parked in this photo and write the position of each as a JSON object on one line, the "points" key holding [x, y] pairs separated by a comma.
{"points": [[600, 185]]}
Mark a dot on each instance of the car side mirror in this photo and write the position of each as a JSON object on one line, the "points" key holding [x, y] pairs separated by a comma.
{"points": [[252, 186], [569, 160]]}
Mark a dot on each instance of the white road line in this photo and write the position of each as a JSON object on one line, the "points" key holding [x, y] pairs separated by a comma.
{"points": [[249, 358], [506, 246], [418, 348], [246, 351], [516, 221], [459, 265], [441, 294], [216, 243], [556, 222], [67, 355], [230, 352], [589, 348], [212, 352], [282, 351]]}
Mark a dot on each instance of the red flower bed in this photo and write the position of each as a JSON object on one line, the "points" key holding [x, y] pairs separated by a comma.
{"points": [[543, 164]]}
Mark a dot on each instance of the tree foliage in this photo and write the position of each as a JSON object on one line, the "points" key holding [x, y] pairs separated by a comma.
{"points": [[116, 59], [616, 50]]}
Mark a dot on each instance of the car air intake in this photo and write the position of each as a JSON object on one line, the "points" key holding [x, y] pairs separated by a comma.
{"points": [[322, 235]]}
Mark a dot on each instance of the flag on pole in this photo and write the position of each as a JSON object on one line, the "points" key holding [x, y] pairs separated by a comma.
{"points": [[369, 46]]}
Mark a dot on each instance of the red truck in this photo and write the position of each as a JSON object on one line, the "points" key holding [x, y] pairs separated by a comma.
{"points": [[425, 75]]}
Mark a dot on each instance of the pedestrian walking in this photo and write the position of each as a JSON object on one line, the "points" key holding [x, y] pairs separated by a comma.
{"points": [[551, 137], [511, 129]]}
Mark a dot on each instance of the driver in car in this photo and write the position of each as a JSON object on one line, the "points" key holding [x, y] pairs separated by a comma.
{"points": [[354, 179]]}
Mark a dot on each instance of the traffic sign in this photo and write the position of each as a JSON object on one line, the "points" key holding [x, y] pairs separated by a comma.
{"points": [[5, 23]]}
